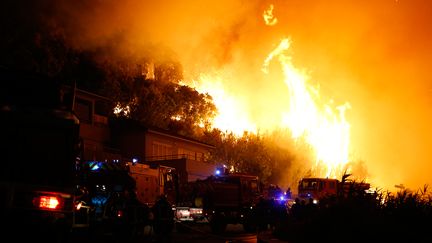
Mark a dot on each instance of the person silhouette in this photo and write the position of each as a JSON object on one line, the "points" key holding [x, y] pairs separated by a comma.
{"points": [[163, 219], [288, 193]]}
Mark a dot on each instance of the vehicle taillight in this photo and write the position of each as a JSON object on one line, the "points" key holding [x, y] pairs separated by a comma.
{"points": [[119, 213], [47, 202]]}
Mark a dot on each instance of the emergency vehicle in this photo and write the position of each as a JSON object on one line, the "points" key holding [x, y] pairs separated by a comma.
{"points": [[315, 188], [40, 140]]}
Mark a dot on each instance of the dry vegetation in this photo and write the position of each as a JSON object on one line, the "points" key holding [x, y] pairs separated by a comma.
{"points": [[364, 217]]}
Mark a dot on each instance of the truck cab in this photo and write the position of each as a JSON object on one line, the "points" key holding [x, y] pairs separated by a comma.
{"points": [[317, 188], [221, 199]]}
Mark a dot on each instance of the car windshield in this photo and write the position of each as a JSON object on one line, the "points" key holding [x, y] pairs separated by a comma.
{"points": [[309, 184]]}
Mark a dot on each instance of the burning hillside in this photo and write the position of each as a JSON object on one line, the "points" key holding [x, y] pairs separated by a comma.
{"points": [[352, 80]]}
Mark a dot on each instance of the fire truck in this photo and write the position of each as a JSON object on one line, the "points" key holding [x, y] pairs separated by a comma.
{"points": [[40, 140], [315, 188], [120, 195], [221, 199]]}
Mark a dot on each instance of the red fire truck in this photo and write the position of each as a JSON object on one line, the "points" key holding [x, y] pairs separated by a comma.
{"points": [[225, 198], [315, 188], [120, 195], [40, 138]]}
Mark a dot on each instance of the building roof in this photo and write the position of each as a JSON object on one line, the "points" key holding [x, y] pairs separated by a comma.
{"points": [[133, 124]]}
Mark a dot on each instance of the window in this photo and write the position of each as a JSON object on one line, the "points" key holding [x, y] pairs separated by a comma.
{"points": [[307, 184], [189, 154], [83, 109], [161, 150], [199, 156], [313, 184], [322, 184], [254, 186], [102, 108]]}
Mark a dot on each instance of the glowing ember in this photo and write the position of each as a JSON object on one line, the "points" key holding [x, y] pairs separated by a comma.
{"points": [[121, 110]]}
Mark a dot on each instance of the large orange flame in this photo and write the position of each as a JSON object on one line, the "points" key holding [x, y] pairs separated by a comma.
{"points": [[323, 126], [320, 124], [232, 113]]}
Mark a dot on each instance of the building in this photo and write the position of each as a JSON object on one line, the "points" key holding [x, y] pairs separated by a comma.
{"points": [[93, 111], [106, 140], [157, 146]]}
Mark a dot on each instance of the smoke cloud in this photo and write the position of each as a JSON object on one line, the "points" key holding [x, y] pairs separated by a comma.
{"points": [[373, 54]]}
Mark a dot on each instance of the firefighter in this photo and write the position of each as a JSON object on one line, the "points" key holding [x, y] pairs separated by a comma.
{"points": [[137, 215], [288, 193], [297, 209], [163, 219], [278, 212], [310, 208], [262, 214]]}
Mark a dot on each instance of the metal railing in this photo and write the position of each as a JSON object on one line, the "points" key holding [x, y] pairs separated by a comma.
{"points": [[173, 157]]}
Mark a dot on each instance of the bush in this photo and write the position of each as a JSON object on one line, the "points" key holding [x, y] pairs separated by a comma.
{"points": [[359, 216]]}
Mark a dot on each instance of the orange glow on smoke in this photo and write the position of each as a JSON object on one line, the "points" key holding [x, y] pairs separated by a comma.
{"points": [[321, 124], [373, 54]]}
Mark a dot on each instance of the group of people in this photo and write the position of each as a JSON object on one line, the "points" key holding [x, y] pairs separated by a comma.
{"points": [[274, 191], [302, 209], [276, 205], [137, 216], [271, 208]]}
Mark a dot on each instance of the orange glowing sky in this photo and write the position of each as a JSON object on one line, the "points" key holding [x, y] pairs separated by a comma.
{"points": [[374, 54]]}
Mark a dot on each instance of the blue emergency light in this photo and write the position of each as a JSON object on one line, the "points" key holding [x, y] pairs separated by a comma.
{"points": [[95, 165]]}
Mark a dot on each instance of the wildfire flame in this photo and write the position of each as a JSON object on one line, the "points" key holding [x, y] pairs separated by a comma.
{"points": [[268, 17], [232, 115], [122, 110], [325, 128], [321, 124]]}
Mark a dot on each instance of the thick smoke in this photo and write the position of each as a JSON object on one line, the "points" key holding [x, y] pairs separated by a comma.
{"points": [[373, 54]]}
